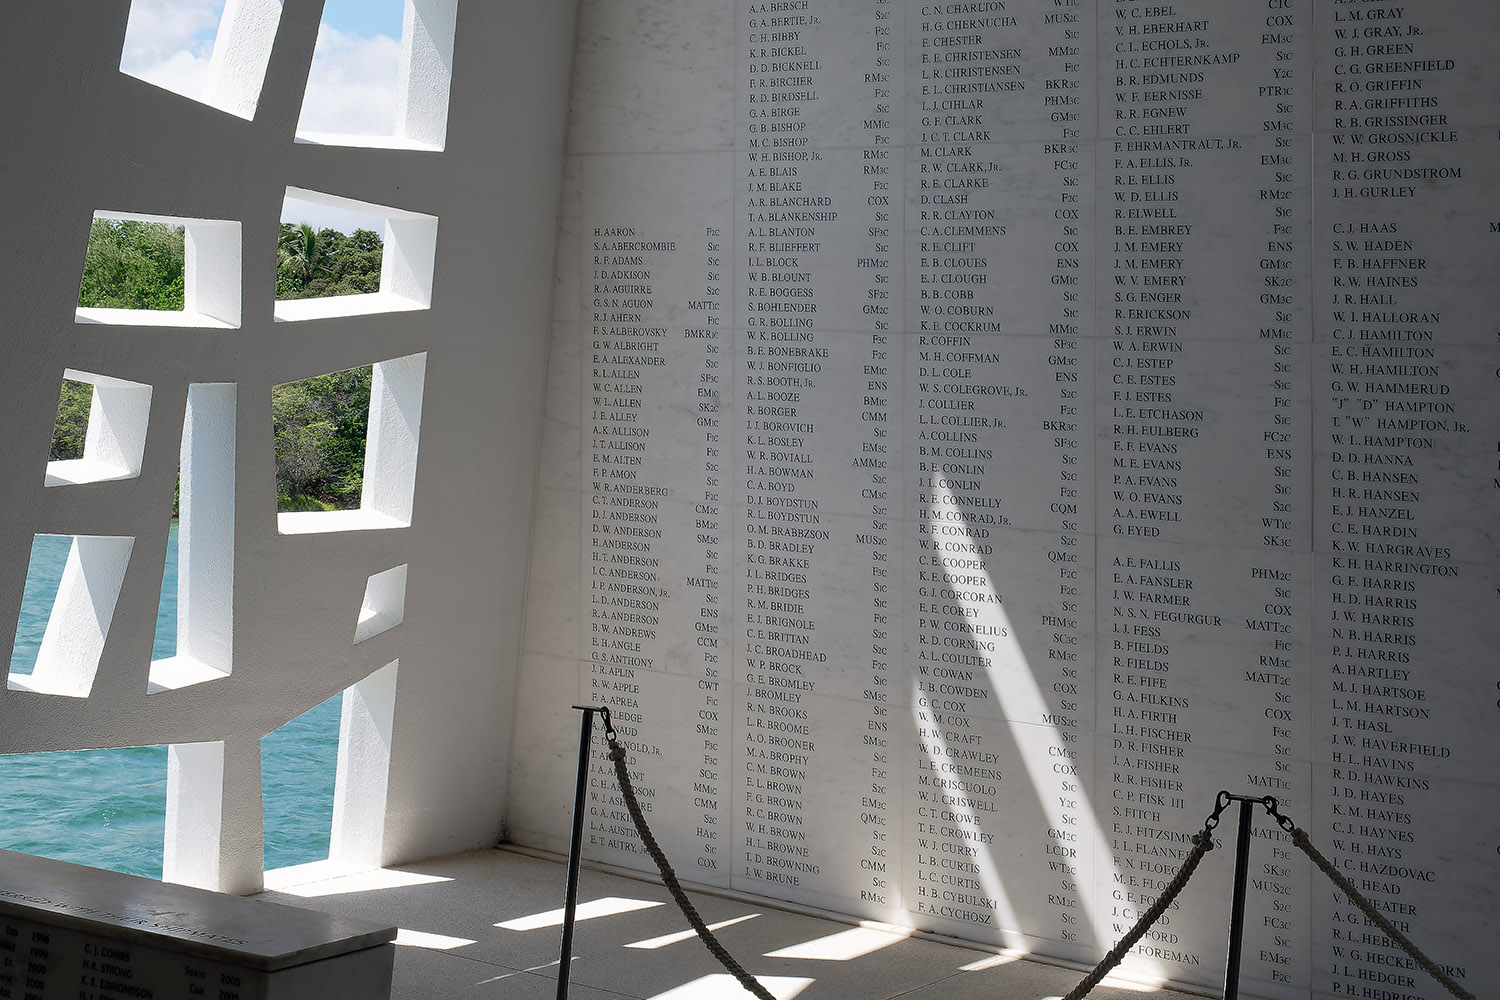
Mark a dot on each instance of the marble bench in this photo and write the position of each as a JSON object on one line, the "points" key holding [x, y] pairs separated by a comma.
{"points": [[68, 932]]}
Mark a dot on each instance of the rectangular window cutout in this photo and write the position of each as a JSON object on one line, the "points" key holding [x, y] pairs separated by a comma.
{"points": [[323, 286], [325, 779], [341, 254], [298, 766], [100, 432], [380, 75], [203, 646], [55, 804], [387, 479], [211, 51], [72, 584], [158, 270], [321, 426]]}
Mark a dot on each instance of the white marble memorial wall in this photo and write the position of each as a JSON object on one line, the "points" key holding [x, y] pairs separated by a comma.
{"points": [[1005, 424]]}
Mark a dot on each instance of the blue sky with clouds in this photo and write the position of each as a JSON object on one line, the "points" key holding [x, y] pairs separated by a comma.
{"points": [[351, 84], [364, 17]]}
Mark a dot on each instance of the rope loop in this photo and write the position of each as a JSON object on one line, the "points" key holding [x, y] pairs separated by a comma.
{"points": [[668, 876], [1300, 838], [1203, 842]]}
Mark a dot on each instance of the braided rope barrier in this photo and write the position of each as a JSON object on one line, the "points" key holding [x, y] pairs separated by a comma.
{"points": [[668, 876], [1203, 842], [1299, 837]]}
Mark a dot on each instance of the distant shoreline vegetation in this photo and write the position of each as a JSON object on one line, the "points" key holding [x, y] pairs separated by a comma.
{"points": [[320, 423]]}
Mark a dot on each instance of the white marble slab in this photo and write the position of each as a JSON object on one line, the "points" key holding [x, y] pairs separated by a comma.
{"points": [[71, 931], [1436, 51]]}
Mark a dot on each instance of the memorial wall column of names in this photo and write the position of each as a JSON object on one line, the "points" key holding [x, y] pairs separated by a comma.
{"points": [[1006, 423]]}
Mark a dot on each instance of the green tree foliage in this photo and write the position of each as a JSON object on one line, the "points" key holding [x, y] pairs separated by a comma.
{"points": [[72, 420], [133, 265], [320, 423], [319, 263], [320, 426]]}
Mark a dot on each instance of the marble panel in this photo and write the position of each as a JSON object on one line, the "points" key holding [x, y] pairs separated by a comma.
{"points": [[560, 464], [999, 835], [988, 225], [1404, 449], [1406, 262], [1146, 315], [987, 639], [676, 734], [653, 76], [814, 815], [1215, 68], [993, 439], [1153, 811], [1039, 72], [544, 756], [1399, 67], [1405, 693], [1205, 650], [1421, 851], [554, 597], [71, 931], [1204, 443], [567, 293]]}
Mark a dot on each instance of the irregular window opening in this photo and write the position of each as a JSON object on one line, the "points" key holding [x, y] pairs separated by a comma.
{"points": [[321, 426], [380, 75], [134, 264], [324, 779], [72, 425], [340, 257], [319, 441], [101, 808], [157, 270], [317, 262], [72, 585], [299, 762], [211, 51], [384, 604], [100, 431], [195, 615], [49, 554]]}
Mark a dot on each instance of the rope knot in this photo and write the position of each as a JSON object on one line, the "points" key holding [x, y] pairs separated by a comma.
{"points": [[616, 752]]}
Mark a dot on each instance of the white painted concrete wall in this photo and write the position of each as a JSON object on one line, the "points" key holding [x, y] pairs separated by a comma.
{"points": [[80, 137]]}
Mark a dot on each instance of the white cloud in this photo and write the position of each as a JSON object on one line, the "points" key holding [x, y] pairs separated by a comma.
{"points": [[168, 42], [351, 88]]}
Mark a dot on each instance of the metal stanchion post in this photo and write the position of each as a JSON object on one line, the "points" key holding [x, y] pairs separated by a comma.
{"points": [[575, 847], [1237, 907]]}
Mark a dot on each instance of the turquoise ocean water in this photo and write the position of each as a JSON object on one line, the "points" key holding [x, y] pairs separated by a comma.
{"points": [[107, 808]]}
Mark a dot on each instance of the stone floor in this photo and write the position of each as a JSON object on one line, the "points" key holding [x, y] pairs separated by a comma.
{"points": [[483, 926]]}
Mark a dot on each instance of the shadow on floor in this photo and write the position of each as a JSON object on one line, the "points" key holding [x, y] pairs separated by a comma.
{"points": [[485, 926]]}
